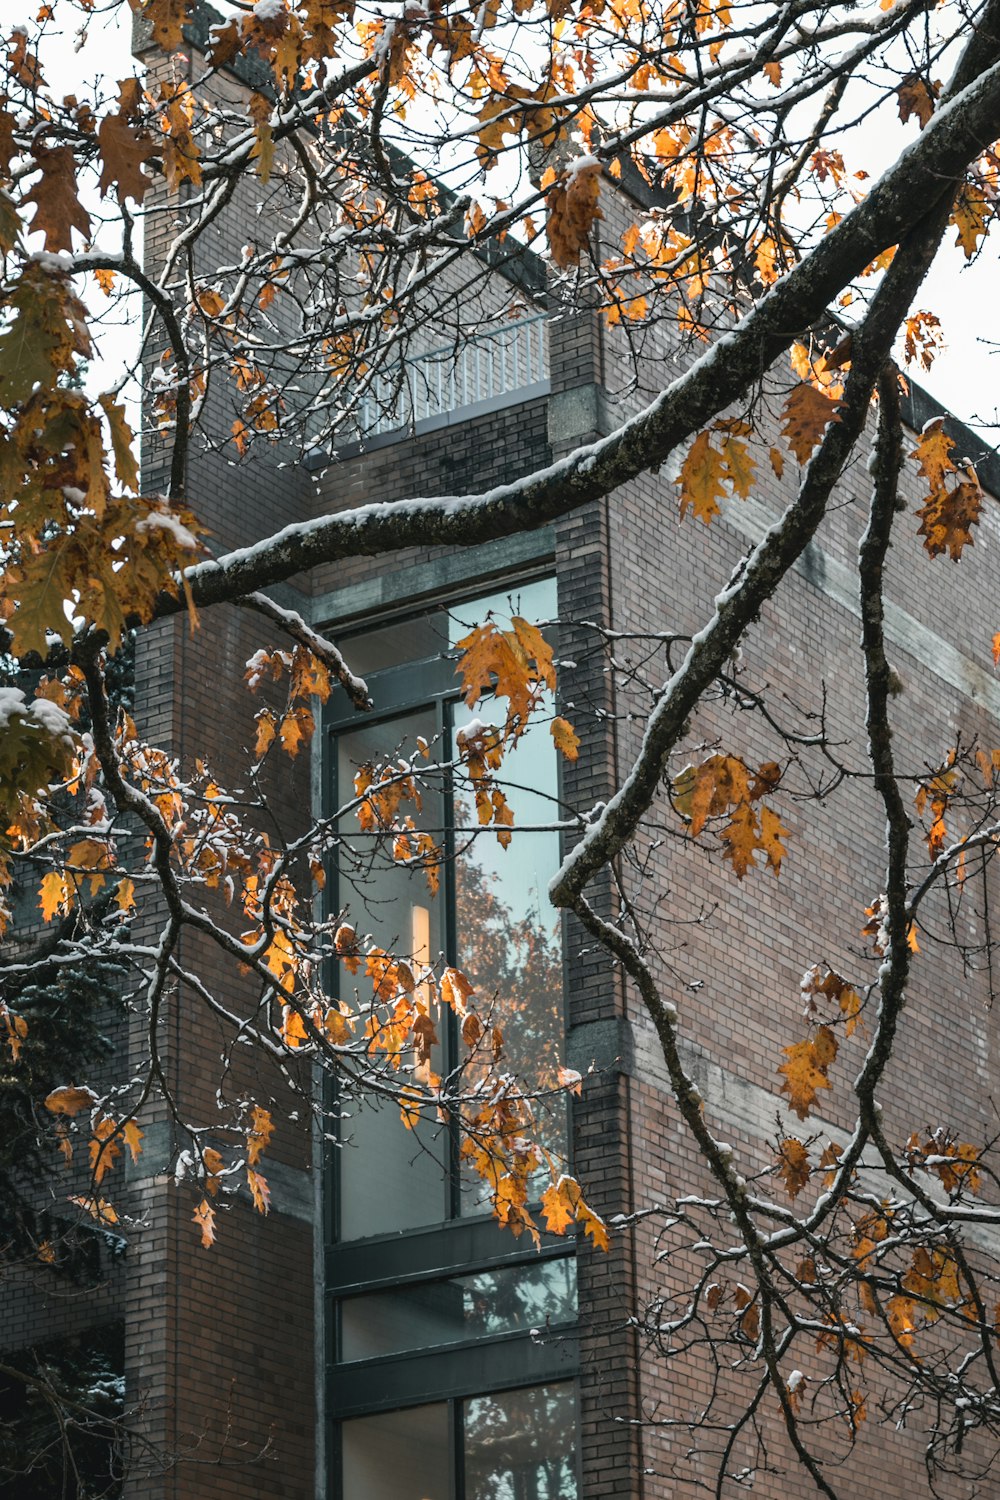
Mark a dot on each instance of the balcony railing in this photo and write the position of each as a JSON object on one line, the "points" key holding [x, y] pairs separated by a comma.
{"points": [[484, 367]]}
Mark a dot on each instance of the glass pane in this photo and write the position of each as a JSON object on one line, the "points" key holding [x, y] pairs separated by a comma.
{"points": [[507, 933], [398, 643], [521, 1445], [535, 601], [512, 1299], [436, 632], [402, 1455], [390, 1178]]}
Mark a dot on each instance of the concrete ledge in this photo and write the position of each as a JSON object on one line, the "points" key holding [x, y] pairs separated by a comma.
{"points": [[607, 1046], [469, 567], [293, 1192]]}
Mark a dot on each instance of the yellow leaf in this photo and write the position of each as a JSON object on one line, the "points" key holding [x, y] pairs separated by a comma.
{"points": [[55, 894], [558, 1207], [125, 895], [565, 738], [93, 857], [771, 834], [122, 441]]}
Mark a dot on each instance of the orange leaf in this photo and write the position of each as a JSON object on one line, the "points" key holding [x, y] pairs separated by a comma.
{"points": [[132, 1136], [739, 839], [98, 1208], [58, 210], [916, 97], [104, 1149], [793, 1165], [213, 1164], [55, 894], [259, 1191], [565, 738], [260, 1133], [807, 414], [971, 216], [204, 1217], [806, 1069], [573, 208], [702, 479], [70, 1101], [456, 990]]}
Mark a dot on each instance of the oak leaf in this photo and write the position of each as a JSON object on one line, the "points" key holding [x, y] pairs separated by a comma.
{"points": [[55, 894], [805, 1071], [573, 209], [565, 738], [124, 149], [167, 19], [98, 1208], [204, 1217], [806, 415], [702, 479], [916, 97], [259, 1134], [557, 1209], [105, 1148], [58, 210], [70, 1100], [948, 516], [971, 216], [132, 1136], [125, 895], [793, 1165], [259, 1191]]}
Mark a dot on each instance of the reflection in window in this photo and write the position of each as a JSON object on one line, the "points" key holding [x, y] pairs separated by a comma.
{"points": [[389, 1182], [507, 934], [424, 1315], [520, 1445], [401, 1455], [504, 934]]}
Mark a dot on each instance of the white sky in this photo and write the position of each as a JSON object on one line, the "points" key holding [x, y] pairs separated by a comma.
{"points": [[965, 377]]}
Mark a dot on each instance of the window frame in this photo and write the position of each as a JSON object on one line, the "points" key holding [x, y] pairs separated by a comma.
{"points": [[458, 1244]]}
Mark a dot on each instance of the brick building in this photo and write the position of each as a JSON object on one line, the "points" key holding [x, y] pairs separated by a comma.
{"points": [[375, 1337]]}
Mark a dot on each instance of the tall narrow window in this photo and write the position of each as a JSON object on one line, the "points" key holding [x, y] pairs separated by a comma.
{"points": [[434, 1311]]}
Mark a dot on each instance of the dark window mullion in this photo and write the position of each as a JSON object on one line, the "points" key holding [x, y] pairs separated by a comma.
{"points": [[446, 718], [457, 1450]]}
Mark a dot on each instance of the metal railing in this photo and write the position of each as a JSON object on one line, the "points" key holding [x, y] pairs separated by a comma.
{"points": [[487, 365]]}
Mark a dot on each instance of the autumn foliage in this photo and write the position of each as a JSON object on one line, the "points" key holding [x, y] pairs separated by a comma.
{"points": [[685, 183]]}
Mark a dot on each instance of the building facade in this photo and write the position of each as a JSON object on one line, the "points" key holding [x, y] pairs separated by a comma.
{"points": [[377, 1336]]}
